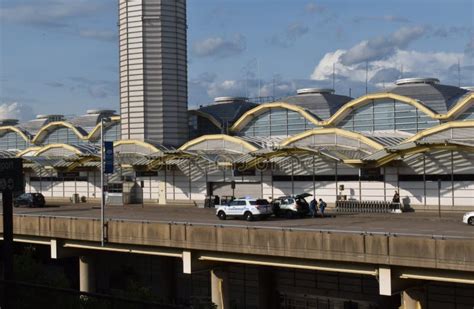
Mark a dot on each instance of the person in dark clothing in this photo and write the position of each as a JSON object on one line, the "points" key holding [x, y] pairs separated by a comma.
{"points": [[322, 206], [396, 198], [313, 207]]}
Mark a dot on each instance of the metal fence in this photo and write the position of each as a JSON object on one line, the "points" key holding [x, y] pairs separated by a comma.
{"points": [[367, 207]]}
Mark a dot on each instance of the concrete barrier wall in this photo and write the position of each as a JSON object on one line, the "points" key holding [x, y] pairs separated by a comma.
{"points": [[400, 250]]}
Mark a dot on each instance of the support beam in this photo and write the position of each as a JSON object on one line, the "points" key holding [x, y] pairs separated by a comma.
{"points": [[86, 274], [220, 288], [191, 264]]}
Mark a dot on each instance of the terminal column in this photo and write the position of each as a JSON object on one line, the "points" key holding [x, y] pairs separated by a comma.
{"points": [[414, 298], [86, 274], [220, 287]]}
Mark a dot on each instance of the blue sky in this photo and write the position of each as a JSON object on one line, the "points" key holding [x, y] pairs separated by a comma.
{"points": [[61, 56]]}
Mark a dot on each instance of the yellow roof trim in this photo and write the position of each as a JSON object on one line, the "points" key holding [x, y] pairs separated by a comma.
{"points": [[256, 111], [137, 143], [45, 130], [418, 149], [346, 108], [53, 146], [17, 130], [209, 117], [25, 151], [224, 137], [440, 128], [96, 131], [337, 131]]}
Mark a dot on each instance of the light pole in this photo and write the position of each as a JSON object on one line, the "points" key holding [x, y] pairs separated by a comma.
{"points": [[103, 121]]}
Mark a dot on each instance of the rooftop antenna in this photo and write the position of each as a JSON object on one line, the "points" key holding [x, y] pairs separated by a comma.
{"points": [[459, 72], [366, 76], [401, 71], [350, 92], [258, 78], [273, 87], [334, 75]]}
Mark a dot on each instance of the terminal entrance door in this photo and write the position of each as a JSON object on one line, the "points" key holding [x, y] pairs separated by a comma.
{"points": [[253, 190]]}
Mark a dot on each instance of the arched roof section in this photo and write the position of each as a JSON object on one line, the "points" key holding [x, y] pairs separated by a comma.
{"points": [[136, 146], [79, 132], [415, 149], [209, 117], [95, 133], [255, 112], [58, 148], [347, 108], [462, 105], [356, 137], [453, 125], [50, 127], [5, 129], [219, 142], [30, 151]]}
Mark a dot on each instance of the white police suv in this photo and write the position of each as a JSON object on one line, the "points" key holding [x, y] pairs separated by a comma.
{"points": [[468, 218], [246, 208]]}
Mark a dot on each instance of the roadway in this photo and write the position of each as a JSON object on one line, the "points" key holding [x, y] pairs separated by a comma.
{"points": [[412, 223]]}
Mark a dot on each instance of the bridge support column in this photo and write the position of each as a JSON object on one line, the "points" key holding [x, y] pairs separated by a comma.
{"points": [[267, 296], [414, 298], [86, 274], [220, 287]]}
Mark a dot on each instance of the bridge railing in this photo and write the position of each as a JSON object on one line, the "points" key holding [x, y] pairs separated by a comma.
{"points": [[367, 207]]}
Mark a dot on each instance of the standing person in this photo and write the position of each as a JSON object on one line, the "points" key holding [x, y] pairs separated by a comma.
{"points": [[396, 197], [313, 207], [322, 206]]}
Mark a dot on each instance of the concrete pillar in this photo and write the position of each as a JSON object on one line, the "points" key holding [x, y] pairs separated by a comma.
{"points": [[414, 298], [267, 294], [220, 288], [86, 274]]}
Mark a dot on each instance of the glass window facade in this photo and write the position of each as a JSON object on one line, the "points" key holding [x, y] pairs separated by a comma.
{"points": [[112, 133], [63, 136], [387, 115], [277, 122], [467, 115], [11, 140]]}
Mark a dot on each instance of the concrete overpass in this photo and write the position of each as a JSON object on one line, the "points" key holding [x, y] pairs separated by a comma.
{"points": [[398, 259]]}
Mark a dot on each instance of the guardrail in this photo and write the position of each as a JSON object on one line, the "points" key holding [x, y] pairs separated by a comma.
{"points": [[367, 207]]}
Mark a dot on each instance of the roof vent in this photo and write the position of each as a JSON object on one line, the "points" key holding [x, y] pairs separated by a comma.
{"points": [[468, 88], [52, 117], [314, 91], [8, 122], [100, 111], [220, 100], [417, 80]]}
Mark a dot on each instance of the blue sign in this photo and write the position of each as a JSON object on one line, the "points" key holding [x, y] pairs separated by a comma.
{"points": [[108, 157]]}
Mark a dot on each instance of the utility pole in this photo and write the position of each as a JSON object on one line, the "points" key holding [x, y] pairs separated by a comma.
{"points": [[102, 199]]}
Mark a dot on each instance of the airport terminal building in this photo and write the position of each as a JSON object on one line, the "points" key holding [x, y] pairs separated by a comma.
{"points": [[417, 137]]}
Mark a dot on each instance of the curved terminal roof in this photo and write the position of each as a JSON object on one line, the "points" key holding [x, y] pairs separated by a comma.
{"points": [[227, 113], [437, 97], [323, 104]]}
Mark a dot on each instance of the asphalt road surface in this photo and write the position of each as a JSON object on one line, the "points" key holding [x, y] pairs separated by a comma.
{"points": [[418, 223]]}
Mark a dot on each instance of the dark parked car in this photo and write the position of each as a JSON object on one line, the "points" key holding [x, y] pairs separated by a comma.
{"points": [[30, 200]]}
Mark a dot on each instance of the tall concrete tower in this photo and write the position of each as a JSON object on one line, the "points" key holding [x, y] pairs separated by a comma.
{"points": [[153, 71]]}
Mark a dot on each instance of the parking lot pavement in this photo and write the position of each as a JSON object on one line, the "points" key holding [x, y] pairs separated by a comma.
{"points": [[423, 223]]}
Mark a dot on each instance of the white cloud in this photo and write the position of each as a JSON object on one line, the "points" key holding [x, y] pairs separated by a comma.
{"points": [[415, 63], [220, 47], [16, 110], [382, 47]]}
